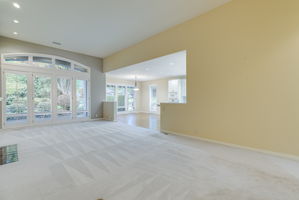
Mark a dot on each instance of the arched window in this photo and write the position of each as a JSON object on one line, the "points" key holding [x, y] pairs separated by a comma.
{"points": [[38, 88]]}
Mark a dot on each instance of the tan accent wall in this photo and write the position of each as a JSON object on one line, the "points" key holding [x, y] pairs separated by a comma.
{"points": [[242, 74]]}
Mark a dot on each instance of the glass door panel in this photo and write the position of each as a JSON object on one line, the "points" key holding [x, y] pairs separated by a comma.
{"points": [[42, 98], [110, 93], [121, 98], [130, 98], [153, 99], [81, 99], [64, 98], [16, 98]]}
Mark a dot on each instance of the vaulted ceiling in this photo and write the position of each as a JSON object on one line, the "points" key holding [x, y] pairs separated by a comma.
{"points": [[95, 27]]}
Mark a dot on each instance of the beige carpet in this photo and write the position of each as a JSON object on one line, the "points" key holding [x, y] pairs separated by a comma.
{"points": [[114, 161]]}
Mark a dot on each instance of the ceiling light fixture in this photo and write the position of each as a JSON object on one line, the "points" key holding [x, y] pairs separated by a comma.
{"points": [[136, 87], [172, 63], [16, 5], [15, 33], [16, 21], [147, 69]]}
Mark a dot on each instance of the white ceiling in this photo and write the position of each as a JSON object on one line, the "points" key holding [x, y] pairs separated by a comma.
{"points": [[167, 66], [96, 27]]}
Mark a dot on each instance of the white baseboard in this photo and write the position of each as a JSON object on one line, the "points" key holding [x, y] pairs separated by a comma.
{"points": [[136, 112], [126, 112], [146, 112], [272, 153], [49, 124]]}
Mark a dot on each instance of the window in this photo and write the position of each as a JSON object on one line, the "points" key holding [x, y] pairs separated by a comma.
{"points": [[183, 91], [64, 94], [177, 91], [121, 98], [124, 95], [62, 64], [81, 97], [42, 61], [153, 98], [110, 93], [80, 68], [17, 59], [130, 98], [16, 92], [41, 88], [42, 100]]}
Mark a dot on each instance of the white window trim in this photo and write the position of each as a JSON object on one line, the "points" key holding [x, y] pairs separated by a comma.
{"points": [[32, 70], [31, 63], [150, 99], [126, 97]]}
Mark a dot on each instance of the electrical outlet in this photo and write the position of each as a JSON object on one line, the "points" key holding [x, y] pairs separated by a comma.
{"points": [[97, 115]]}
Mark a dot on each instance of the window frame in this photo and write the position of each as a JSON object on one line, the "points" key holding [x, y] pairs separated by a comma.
{"points": [[52, 72], [52, 57], [126, 97]]}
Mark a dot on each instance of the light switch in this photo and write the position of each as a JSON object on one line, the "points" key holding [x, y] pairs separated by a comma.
{"points": [[1, 98]]}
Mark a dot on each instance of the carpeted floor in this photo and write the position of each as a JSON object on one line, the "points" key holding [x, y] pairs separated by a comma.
{"points": [[114, 161]]}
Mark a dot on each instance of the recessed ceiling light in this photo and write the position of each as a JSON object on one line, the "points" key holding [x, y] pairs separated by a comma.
{"points": [[15, 33], [16, 5], [147, 69], [172, 63], [16, 21], [57, 43]]}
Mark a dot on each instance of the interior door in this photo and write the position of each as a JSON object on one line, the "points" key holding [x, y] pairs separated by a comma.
{"points": [[17, 93]]}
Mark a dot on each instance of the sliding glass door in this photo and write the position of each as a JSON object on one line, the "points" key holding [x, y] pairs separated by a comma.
{"points": [[64, 98], [44, 89], [82, 98], [42, 98], [153, 98], [29, 98], [110, 92], [16, 98], [121, 98], [130, 98], [125, 96]]}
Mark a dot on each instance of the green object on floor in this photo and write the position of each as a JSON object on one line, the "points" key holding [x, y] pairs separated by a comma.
{"points": [[8, 154]]}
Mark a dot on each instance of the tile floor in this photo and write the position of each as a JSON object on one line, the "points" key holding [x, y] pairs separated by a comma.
{"points": [[114, 161]]}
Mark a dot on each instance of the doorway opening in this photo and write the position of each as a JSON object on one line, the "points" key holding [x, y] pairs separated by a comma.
{"points": [[140, 89]]}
